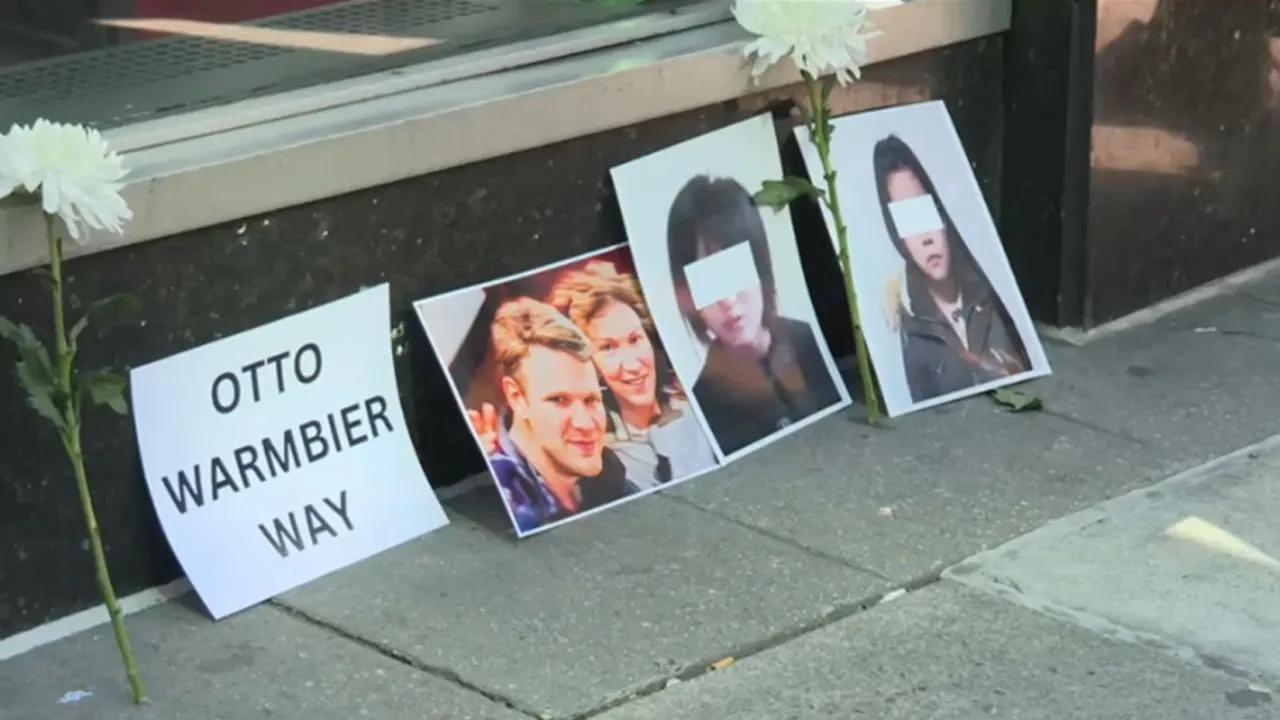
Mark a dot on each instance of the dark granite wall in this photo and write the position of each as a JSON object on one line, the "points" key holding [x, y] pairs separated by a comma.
{"points": [[1142, 146], [1186, 148], [424, 236]]}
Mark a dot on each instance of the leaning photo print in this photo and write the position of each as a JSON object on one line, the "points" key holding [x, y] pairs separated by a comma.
{"points": [[567, 388], [724, 281], [941, 310]]}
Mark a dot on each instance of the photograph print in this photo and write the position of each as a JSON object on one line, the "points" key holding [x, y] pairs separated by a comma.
{"points": [[567, 388], [724, 282], [942, 313]]}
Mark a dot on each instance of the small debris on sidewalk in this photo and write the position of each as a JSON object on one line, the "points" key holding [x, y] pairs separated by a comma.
{"points": [[74, 696], [892, 595], [1248, 697], [723, 663], [1016, 400]]}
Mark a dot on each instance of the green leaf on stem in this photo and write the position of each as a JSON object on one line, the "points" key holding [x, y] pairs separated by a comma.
{"points": [[76, 329], [31, 352], [778, 194], [41, 393], [111, 309], [1016, 400], [11, 331], [34, 371], [105, 387], [46, 407]]}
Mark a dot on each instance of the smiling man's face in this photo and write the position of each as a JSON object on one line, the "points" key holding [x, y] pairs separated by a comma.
{"points": [[561, 404], [930, 251]]}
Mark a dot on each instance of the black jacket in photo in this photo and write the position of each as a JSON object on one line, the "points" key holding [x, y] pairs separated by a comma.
{"points": [[937, 362], [746, 401]]}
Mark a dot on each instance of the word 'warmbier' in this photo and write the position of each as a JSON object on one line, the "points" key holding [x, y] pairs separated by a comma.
{"points": [[248, 462], [255, 463]]}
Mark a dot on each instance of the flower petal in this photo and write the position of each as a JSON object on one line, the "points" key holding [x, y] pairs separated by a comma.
{"points": [[71, 168], [821, 36], [49, 198]]}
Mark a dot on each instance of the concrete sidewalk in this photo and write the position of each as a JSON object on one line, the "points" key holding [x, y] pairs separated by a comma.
{"points": [[783, 562]]}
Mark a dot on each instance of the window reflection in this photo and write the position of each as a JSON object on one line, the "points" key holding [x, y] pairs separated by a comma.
{"points": [[343, 42], [112, 62]]}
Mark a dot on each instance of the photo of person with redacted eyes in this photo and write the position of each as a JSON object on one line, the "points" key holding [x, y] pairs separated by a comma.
{"points": [[724, 281], [954, 329], [567, 389], [927, 256], [762, 371]]}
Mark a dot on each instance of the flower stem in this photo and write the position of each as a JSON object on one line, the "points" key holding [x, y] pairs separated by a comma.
{"points": [[71, 443], [63, 378], [820, 134]]}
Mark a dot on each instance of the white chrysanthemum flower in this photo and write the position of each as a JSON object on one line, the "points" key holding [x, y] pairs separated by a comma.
{"points": [[821, 36], [70, 167]]}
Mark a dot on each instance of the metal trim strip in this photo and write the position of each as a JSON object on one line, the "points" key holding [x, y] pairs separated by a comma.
{"points": [[290, 160]]}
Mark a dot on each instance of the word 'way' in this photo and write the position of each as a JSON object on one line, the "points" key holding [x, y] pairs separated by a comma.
{"points": [[287, 532]]}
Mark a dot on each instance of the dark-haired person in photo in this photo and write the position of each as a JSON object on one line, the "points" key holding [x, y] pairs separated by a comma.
{"points": [[550, 461], [651, 428], [763, 371], [955, 331]]}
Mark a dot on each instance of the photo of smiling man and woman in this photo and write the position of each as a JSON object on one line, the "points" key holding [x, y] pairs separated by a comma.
{"points": [[942, 313], [567, 387], [725, 285]]}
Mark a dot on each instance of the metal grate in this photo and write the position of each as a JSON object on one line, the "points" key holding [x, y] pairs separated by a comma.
{"points": [[161, 63], [385, 17]]}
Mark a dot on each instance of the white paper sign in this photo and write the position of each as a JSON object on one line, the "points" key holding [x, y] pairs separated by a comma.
{"points": [[281, 454]]}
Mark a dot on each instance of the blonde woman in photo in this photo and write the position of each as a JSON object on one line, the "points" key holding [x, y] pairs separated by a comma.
{"points": [[651, 428]]}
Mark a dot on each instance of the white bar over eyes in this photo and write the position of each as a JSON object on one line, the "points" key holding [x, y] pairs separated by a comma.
{"points": [[915, 216], [721, 275]]}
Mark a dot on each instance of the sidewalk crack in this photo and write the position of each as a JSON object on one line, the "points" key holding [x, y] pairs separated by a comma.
{"points": [[439, 673], [1089, 425], [1248, 334], [745, 651], [1261, 299], [778, 537]]}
